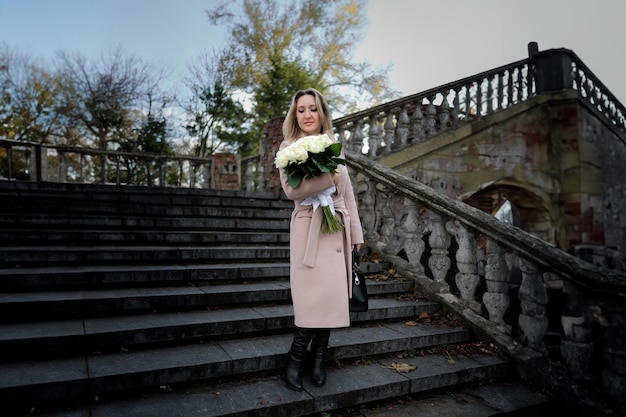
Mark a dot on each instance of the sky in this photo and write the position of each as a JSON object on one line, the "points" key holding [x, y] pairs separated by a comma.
{"points": [[427, 42]]}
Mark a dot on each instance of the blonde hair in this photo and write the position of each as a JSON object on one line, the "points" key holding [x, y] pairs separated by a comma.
{"points": [[291, 129]]}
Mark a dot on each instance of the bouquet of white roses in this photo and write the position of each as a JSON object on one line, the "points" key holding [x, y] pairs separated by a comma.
{"points": [[309, 157]]}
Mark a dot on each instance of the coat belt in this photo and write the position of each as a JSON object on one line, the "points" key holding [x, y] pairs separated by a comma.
{"points": [[310, 252]]}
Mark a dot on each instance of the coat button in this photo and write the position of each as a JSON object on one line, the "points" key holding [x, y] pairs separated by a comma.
{"points": [[338, 250]]}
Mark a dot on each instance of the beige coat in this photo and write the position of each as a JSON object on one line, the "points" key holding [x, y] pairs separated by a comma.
{"points": [[321, 265]]}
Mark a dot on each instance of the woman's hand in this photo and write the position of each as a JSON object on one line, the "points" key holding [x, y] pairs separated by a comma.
{"points": [[336, 178]]}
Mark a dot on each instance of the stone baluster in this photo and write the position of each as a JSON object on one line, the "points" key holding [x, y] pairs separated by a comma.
{"points": [[249, 179], [417, 123], [162, 167], [83, 167], [614, 345], [500, 89], [62, 167], [341, 136], [468, 103], [403, 128], [576, 346], [431, 117], [356, 136], [444, 114], [496, 299], [354, 143], [439, 241], [490, 94], [375, 138], [180, 176], [479, 98], [207, 176], [509, 90], [413, 229], [521, 85], [390, 132], [149, 172], [370, 217], [388, 228], [533, 320], [467, 278], [454, 112], [193, 167]]}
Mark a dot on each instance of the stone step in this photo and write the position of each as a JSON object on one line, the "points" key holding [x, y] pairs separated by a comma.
{"points": [[56, 277], [23, 306], [348, 386], [114, 208], [70, 196], [11, 236], [32, 256], [102, 375], [128, 224], [101, 315], [83, 336]]}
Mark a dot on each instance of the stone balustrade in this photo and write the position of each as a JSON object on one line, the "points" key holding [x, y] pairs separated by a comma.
{"points": [[530, 294], [392, 126], [40, 162]]}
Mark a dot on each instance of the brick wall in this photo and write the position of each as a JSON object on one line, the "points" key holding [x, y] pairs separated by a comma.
{"points": [[273, 137], [225, 171]]}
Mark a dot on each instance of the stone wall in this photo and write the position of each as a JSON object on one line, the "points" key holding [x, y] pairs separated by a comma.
{"points": [[601, 147]]}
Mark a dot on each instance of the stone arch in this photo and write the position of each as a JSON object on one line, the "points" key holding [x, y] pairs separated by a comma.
{"points": [[529, 211]]}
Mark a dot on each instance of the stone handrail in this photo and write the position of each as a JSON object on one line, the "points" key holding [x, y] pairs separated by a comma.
{"points": [[391, 126], [498, 277]]}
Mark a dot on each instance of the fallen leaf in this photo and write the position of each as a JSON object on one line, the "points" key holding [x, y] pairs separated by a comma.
{"points": [[401, 367], [411, 323]]}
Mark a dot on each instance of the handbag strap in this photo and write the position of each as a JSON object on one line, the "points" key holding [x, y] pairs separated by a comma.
{"points": [[355, 256], [356, 271]]}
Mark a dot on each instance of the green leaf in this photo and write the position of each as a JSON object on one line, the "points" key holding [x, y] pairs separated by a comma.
{"points": [[335, 148], [294, 179], [321, 166]]}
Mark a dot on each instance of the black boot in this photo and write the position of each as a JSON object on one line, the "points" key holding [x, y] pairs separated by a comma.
{"points": [[318, 348], [293, 370]]}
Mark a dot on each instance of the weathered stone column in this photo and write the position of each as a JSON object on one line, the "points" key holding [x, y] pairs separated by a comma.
{"points": [[369, 214], [496, 298], [439, 241], [533, 321], [413, 230], [466, 278], [389, 241], [576, 346]]}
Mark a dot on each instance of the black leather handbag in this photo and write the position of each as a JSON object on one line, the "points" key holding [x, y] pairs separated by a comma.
{"points": [[359, 300]]}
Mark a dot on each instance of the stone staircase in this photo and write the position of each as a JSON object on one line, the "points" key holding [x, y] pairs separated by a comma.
{"points": [[120, 301]]}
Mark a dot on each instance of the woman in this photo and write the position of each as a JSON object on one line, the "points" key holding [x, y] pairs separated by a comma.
{"points": [[320, 264]]}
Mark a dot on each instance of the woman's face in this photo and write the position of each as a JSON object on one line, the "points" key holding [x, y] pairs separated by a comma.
{"points": [[308, 115]]}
